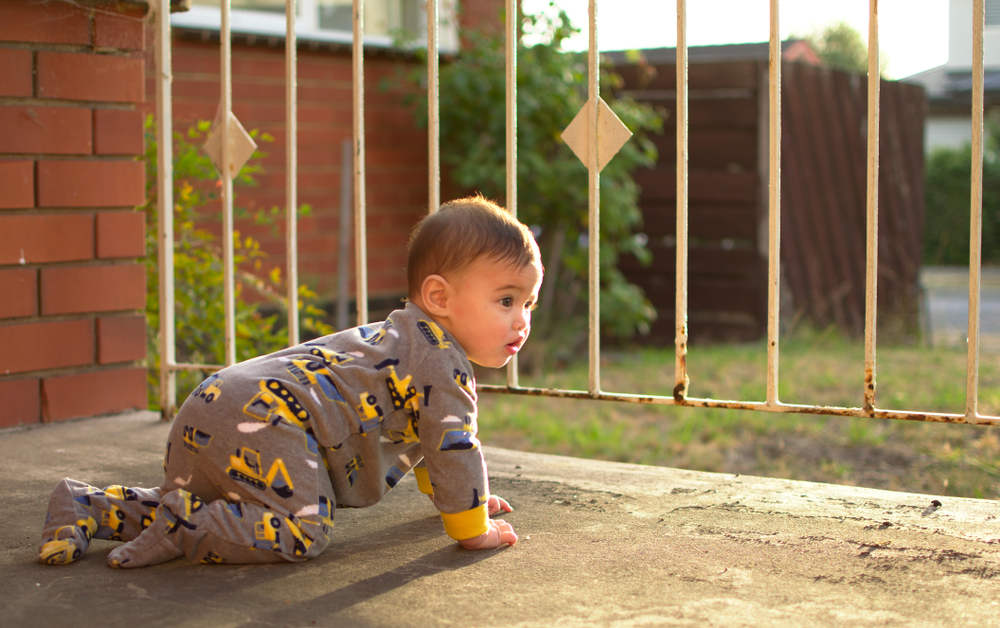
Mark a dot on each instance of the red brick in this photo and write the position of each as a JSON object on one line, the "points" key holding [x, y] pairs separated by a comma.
{"points": [[58, 130], [17, 184], [121, 234], [121, 338], [44, 23], [77, 289], [96, 392], [46, 345], [80, 76], [118, 132], [78, 183], [36, 239], [21, 402], [19, 287], [15, 73], [121, 32]]}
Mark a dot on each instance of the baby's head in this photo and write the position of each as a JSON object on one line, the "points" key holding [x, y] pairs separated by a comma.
{"points": [[476, 270]]}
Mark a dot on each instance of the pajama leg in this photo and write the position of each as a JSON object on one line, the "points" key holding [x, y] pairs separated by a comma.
{"points": [[225, 532], [243, 483], [79, 512]]}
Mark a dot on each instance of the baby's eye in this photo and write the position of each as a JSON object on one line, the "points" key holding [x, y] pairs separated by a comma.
{"points": [[507, 301]]}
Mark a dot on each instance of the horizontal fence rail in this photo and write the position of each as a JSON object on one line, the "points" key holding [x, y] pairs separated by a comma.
{"points": [[593, 123]]}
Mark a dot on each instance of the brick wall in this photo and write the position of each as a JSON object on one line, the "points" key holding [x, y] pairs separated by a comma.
{"points": [[396, 150], [72, 332]]}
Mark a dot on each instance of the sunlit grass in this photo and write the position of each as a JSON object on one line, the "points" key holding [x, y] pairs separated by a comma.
{"points": [[815, 369]]}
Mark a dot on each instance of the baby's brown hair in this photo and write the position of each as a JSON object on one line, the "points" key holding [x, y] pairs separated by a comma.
{"points": [[460, 232]]}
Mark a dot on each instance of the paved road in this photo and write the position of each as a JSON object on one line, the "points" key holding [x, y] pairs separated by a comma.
{"points": [[946, 308]]}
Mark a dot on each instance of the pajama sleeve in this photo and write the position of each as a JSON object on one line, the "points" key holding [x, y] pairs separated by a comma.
{"points": [[456, 471]]}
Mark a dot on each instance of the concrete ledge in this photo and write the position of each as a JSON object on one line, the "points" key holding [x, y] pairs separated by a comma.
{"points": [[602, 544]]}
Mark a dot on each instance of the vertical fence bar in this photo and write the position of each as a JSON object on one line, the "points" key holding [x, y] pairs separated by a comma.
{"points": [[291, 175], [774, 206], [594, 209], [226, 108], [510, 46], [681, 379], [975, 212], [165, 209], [433, 111], [344, 237], [360, 237], [871, 269]]}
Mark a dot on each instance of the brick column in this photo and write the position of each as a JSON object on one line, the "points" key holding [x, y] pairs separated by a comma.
{"points": [[72, 289]]}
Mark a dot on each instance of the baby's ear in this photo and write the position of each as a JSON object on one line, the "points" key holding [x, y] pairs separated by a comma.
{"points": [[434, 294]]}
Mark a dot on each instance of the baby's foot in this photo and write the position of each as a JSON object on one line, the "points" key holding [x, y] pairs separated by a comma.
{"points": [[146, 549], [68, 543]]}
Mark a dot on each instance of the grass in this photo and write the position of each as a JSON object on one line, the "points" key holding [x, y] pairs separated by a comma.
{"points": [[815, 368]]}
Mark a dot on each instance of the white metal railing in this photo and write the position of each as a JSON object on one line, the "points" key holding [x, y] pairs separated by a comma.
{"points": [[593, 161]]}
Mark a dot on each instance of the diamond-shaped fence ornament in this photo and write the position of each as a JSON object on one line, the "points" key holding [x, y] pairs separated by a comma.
{"points": [[241, 145], [611, 134]]}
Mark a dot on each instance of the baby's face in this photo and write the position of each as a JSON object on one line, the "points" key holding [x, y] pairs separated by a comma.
{"points": [[490, 309]]}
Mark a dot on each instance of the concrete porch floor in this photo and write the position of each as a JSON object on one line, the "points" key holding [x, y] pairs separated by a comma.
{"points": [[601, 544]]}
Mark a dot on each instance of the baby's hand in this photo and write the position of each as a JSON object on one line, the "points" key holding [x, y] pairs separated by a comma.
{"points": [[497, 504], [499, 533]]}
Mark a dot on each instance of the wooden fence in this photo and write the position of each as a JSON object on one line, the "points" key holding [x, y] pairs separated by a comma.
{"points": [[822, 198]]}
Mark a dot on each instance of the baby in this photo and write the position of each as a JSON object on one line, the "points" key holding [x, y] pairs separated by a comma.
{"points": [[262, 452]]}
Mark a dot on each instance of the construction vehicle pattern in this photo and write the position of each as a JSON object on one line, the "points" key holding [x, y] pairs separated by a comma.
{"points": [[209, 389], [465, 382], [433, 333], [274, 403], [245, 466], [457, 440], [314, 372], [369, 413], [195, 439], [351, 469]]}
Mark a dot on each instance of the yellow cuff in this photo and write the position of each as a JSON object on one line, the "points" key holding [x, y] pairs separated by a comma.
{"points": [[467, 524], [423, 480]]}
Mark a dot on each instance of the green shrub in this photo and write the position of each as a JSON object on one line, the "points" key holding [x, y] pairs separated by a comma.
{"points": [[948, 194]]}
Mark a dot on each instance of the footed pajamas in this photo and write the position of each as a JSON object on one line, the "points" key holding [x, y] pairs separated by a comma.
{"points": [[262, 452]]}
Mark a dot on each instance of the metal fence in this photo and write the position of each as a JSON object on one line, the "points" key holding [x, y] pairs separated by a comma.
{"points": [[596, 139]]}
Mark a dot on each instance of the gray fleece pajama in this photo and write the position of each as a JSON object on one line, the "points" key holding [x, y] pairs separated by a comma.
{"points": [[262, 452]]}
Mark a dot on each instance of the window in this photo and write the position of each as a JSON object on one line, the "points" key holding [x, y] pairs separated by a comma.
{"points": [[328, 20]]}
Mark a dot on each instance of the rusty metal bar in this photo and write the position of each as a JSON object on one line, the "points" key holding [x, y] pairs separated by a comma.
{"points": [[510, 66], [871, 269], [226, 157], [681, 379], [698, 402], [594, 204], [774, 207], [975, 213], [360, 236], [433, 111], [291, 175], [165, 209]]}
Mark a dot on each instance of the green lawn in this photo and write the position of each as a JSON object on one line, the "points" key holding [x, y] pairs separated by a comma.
{"points": [[818, 369]]}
